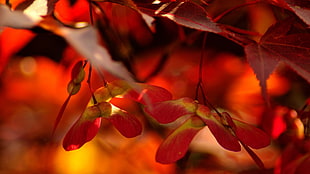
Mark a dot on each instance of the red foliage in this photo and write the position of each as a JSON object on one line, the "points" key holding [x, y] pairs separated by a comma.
{"points": [[111, 37]]}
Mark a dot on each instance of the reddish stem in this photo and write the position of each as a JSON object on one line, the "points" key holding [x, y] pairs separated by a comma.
{"points": [[238, 30], [234, 8]]}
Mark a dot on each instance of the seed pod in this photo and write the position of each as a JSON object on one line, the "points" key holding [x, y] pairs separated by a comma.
{"points": [[73, 88], [105, 109], [78, 73], [102, 94], [91, 112]]}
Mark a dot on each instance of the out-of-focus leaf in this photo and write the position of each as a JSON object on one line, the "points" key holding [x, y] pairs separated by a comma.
{"points": [[95, 53], [25, 14], [175, 146], [15, 19], [130, 4], [89, 48], [303, 166], [71, 13], [11, 41], [81, 132], [251, 135], [185, 13], [168, 111], [127, 3], [39, 8], [127, 125]]}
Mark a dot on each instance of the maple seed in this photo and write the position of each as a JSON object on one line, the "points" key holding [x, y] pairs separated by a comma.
{"points": [[79, 77], [105, 109], [92, 112], [197, 122], [73, 88], [102, 94]]}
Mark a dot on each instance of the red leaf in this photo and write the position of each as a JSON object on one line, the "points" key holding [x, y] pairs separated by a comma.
{"points": [[262, 63], [277, 45], [81, 132], [185, 13], [223, 135], [251, 135], [127, 125], [169, 111], [175, 146]]}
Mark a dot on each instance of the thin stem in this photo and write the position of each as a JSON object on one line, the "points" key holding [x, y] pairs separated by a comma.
{"points": [[159, 67], [242, 31], [305, 120], [199, 84], [238, 30], [89, 84], [60, 113], [7, 2], [91, 16], [216, 19]]}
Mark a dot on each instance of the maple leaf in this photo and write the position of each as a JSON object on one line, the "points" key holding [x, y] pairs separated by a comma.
{"points": [[300, 7], [275, 46], [185, 13], [227, 131]]}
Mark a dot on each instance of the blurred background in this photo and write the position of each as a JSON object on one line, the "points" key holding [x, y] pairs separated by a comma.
{"points": [[33, 87]]}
